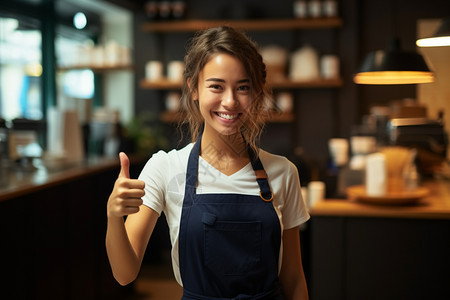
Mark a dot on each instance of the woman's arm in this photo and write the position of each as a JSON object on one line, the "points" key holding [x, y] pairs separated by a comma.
{"points": [[126, 241], [292, 276]]}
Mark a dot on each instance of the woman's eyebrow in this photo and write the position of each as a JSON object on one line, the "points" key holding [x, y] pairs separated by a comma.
{"points": [[215, 79], [222, 80]]}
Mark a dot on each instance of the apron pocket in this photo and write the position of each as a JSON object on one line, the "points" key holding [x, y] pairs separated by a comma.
{"points": [[232, 248]]}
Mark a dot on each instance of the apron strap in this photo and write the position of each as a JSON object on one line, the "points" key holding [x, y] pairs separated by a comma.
{"points": [[261, 176], [192, 171]]}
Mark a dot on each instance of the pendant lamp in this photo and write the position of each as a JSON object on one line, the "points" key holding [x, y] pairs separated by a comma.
{"points": [[393, 66], [440, 38]]}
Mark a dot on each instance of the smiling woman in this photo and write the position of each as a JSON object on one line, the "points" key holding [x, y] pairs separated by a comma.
{"points": [[235, 212]]}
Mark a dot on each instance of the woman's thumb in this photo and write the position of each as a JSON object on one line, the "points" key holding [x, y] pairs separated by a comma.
{"points": [[124, 165]]}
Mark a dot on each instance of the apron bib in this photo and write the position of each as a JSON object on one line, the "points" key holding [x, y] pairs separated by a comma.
{"points": [[229, 244]]}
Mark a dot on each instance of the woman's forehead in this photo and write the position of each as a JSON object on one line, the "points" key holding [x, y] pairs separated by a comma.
{"points": [[225, 65]]}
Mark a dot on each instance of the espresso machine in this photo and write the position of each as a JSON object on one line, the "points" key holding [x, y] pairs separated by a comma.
{"points": [[427, 136]]}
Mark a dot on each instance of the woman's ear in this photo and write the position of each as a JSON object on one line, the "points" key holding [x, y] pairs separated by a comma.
{"points": [[194, 92]]}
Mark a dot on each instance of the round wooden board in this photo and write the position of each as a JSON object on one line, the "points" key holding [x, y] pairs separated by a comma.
{"points": [[358, 192]]}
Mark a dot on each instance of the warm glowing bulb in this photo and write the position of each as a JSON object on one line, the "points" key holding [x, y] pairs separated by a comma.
{"points": [[434, 41], [393, 77]]}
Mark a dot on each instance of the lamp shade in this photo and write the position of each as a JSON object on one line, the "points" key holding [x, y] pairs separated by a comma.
{"points": [[393, 66], [440, 38]]}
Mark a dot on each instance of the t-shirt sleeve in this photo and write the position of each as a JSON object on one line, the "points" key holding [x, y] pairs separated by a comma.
{"points": [[154, 174], [295, 211]]}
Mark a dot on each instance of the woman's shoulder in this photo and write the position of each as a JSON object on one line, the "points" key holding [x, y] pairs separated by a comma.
{"points": [[273, 159], [168, 159], [276, 163], [174, 154]]}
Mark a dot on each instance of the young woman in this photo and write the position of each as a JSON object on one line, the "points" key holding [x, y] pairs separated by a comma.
{"points": [[233, 209]]}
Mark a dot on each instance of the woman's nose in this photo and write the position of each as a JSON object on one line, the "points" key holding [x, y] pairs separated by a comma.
{"points": [[229, 99]]}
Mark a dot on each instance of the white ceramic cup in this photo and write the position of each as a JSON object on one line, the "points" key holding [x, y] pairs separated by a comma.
{"points": [[154, 70], [316, 192], [285, 102], [300, 9], [339, 151], [330, 8], [376, 176], [329, 66], [175, 70], [173, 101], [314, 8]]}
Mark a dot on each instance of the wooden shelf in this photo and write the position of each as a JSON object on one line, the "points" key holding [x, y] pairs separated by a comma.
{"points": [[97, 69], [254, 25], [318, 83], [174, 117], [285, 84], [163, 84], [281, 118]]}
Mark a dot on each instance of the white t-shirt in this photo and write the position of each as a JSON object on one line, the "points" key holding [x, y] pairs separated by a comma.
{"points": [[165, 175]]}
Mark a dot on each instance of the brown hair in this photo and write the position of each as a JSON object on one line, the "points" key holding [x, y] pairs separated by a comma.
{"points": [[202, 47]]}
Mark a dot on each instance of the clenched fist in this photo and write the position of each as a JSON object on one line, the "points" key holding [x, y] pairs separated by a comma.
{"points": [[125, 198]]}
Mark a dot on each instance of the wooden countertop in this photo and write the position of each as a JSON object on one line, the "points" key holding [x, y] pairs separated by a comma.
{"points": [[434, 206], [16, 182]]}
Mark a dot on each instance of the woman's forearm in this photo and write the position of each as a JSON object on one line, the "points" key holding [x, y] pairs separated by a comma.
{"points": [[122, 257], [300, 291], [292, 276]]}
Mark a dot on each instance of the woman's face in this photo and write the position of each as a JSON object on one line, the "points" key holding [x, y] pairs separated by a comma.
{"points": [[224, 94]]}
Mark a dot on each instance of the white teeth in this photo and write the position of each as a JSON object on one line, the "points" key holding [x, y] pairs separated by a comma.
{"points": [[226, 116]]}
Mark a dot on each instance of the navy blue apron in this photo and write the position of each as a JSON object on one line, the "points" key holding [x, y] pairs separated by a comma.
{"points": [[229, 244]]}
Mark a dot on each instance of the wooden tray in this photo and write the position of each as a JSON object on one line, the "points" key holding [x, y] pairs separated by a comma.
{"points": [[358, 192]]}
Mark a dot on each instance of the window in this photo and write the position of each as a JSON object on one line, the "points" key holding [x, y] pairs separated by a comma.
{"points": [[73, 82], [20, 68]]}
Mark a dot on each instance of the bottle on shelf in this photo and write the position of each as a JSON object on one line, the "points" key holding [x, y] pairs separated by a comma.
{"points": [[315, 8], [151, 9], [164, 9], [330, 8], [178, 9], [300, 9]]}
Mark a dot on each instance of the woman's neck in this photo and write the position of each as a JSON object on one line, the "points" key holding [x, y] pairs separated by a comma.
{"points": [[227, 153]]}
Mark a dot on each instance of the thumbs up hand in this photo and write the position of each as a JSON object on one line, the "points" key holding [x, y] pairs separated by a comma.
{"points": [[124, 165], [125, 198]]}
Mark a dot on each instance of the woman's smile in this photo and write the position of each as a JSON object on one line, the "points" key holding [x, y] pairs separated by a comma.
{"points": [[227, 116]]}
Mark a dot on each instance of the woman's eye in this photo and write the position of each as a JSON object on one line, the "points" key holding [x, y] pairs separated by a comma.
{"points": [[214, 86], [244, 88]]}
